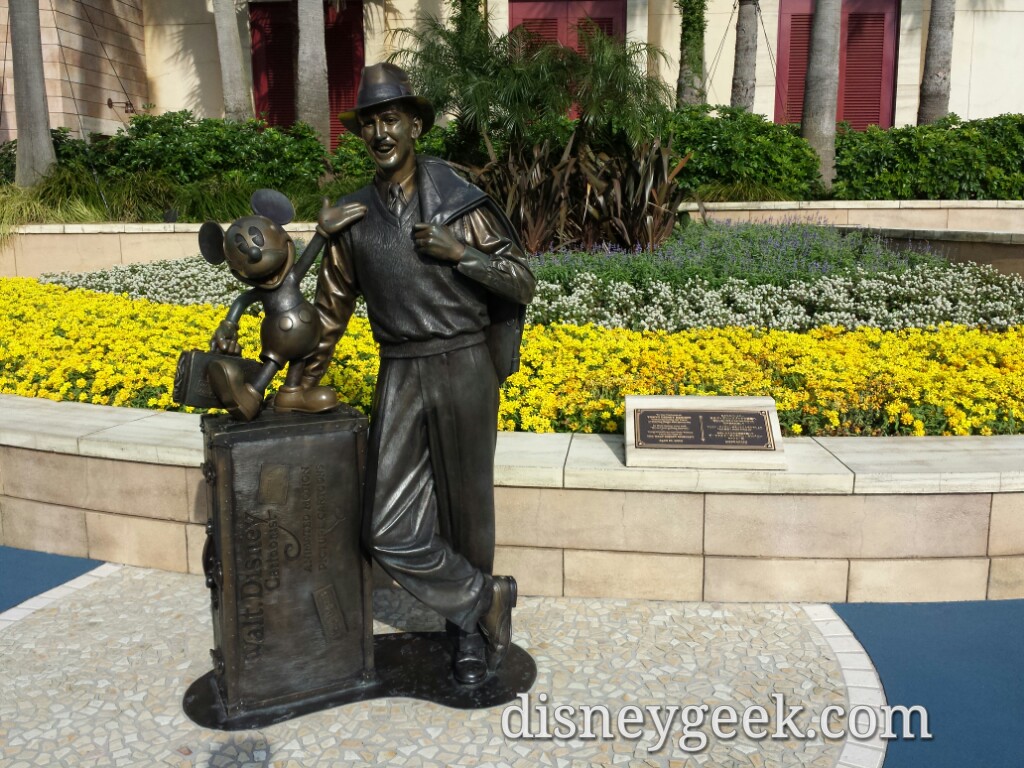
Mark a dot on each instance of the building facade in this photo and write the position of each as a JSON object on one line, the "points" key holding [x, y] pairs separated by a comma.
{"points": [[105, 58]]}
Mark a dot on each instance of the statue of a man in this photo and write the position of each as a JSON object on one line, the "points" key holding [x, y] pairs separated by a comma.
{"points": [[445, 283]]}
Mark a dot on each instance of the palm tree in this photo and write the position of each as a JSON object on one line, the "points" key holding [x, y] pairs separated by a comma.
{"points": [[744, 69], [486, 81], [35, 153], [689, 85], [938, 57], [821, 92], [614, 95], [237, 99], [312, 104]]}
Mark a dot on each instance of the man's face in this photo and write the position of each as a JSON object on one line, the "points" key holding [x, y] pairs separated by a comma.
{"points": [[390, 134]]}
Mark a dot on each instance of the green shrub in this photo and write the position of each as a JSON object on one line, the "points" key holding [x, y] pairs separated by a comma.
{"points": [[69, 151], [951, 159], [731, 146], [186, 149], [8, 152]]}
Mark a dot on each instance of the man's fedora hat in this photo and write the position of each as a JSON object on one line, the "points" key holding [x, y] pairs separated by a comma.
{"points": [[383, 84]]}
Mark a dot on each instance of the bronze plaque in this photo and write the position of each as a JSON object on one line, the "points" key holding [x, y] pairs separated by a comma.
{"points": [[708, 430]]}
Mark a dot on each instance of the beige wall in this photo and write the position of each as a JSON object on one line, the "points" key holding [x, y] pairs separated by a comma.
{"points": [[91, 52], [184, 65], [986, 77], [166, 53], [986, 58]]}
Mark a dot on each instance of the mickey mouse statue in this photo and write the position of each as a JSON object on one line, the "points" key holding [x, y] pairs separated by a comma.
{"points": [[261, 254]]}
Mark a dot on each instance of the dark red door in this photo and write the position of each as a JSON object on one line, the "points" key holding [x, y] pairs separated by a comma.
{"points": [[867, 61], [274, 43], [274, 33], [344, 61]]}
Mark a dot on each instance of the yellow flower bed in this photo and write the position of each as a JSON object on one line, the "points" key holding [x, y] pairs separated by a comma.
{"points": [[98, 348]]}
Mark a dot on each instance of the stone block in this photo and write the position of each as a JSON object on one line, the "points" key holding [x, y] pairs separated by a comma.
{"points": [[1006, 535], [58, 253], [195, 540], [987, 219], [896, 465], [836, 217], [1006, 579], [144, 248], [137, 541], [918, 581], [741, 579], [847, 526], [103, 485], [44, 425], [158, 438], [538, 571], [632, 521], [43, 527], [196, 487], [899, 218], [632, 575], [533, 460], [598, 461], [8, 257]]}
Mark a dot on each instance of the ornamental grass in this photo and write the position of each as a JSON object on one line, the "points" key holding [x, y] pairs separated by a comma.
{"points": [[82, 346]]}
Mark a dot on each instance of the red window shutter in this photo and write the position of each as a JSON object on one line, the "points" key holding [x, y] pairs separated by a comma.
{"points": [[789, 102], [344, 42], [862, 70], [274, 33], [607, 15], [867, 61], [545, 30], [557, 20]]}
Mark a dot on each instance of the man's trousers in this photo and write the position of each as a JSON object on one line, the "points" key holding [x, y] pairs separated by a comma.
{"points": [[429, 519]]}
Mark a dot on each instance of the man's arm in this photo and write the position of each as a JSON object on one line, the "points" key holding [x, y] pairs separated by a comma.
{"points": [[482, 250], [335, 300]]}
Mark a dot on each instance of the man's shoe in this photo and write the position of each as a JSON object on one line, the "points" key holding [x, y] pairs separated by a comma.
{"points": [[312, 400], [496, 623], [228, 383], [469, 662]]}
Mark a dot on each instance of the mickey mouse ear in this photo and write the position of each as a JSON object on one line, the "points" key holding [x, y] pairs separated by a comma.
{"points": [[273, 205], [211, 242]]}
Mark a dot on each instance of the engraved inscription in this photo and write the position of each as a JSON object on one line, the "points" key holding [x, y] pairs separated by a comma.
{"points": [[323, 551], [307, 520], [250, 577], [710, 430], [666, 427]]}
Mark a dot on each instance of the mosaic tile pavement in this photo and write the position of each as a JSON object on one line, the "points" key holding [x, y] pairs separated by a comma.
{"points": [[95, 677]]}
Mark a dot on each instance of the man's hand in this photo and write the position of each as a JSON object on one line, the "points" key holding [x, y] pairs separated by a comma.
{"points": [[334, 218], [437, 241], [225, 339]]}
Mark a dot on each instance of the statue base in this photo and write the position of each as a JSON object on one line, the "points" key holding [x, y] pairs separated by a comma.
{"points": [[408, 665]]}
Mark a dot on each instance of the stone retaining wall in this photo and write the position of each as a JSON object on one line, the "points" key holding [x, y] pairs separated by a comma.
{"points": [[90, 481], [38, 248], [928, 215]]}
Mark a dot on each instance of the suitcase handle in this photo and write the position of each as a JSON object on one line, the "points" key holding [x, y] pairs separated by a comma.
{"points": [[211, 567]]}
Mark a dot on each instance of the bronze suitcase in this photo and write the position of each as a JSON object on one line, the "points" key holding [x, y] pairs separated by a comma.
{"points": [[290, 586]]}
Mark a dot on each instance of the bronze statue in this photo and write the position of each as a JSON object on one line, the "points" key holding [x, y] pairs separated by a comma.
{"points": [[445, 282], [261, 254]]}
